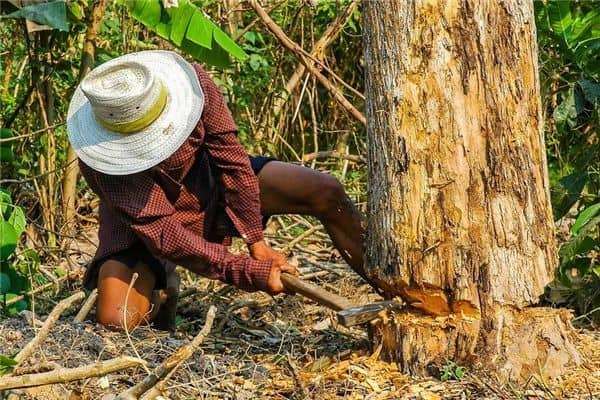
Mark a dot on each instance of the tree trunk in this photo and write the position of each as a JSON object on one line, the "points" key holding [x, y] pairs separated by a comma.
{"points": [[69, 183], [460, 222]]}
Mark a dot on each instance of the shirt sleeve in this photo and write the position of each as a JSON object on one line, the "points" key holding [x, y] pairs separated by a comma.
{"points": [[142, 204], [230, 159]]}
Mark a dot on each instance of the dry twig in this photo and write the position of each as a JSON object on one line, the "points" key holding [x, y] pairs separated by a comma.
{"points": [[86, 307], [171, 363], [70, 374], [304, 394], [48, 324], [304, 58]]}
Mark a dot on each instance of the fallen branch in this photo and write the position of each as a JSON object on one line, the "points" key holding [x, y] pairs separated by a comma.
{"points": [[290, 246], [48, 324], [171, 363], [303, 55], [86, 307], [69, 374], [35, 291], [332, 154]]}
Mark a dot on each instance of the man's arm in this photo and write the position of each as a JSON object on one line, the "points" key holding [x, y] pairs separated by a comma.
{"points": [[230, 159], [142, 204]]}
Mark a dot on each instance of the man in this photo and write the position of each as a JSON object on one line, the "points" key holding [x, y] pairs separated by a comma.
{"points": [[158, 145]]}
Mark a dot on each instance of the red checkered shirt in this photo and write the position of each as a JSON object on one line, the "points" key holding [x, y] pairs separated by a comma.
{"points": [[175, 208]]}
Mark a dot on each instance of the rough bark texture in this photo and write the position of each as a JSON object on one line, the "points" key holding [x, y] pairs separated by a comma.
{"points": [[69, 183], [459, 209]]}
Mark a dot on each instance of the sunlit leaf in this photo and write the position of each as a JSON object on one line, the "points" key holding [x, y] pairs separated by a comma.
{"points": [[229, 45], [17, 219], [5, 204], [559, 17], [8, 240], [200, 30], [584, 217], [580, 243], [180, 20]]}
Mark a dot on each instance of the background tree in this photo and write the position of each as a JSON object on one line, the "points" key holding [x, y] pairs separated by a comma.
{"points": [[460, 220]]}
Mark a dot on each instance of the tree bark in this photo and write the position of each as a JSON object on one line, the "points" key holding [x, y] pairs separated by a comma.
{"points": [[69, 183], [460, 220]]}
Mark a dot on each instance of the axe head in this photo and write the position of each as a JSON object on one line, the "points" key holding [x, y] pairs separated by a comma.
{"points": [[368, 312]]}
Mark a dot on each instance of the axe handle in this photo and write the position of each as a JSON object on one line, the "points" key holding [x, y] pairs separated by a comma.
{"points": [[315, 292]]}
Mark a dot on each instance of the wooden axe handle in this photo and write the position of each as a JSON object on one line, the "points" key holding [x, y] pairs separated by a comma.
{"points": [[315, 292]]}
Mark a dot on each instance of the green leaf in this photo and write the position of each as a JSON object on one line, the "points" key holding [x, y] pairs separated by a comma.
{"points": [[584, 217], [566, 192], [560, 18], [76, 10], [150, 14], [8, 240], [200, 30], [6, 364], [229, 45], [163, 28], [137, 6], [7, 361], [17, 220], [582, 26], [587, 56], [6, 151], [189, 29], [180, 21], [591, 90], [568, 110], [4, 283], [250, 37], [19, 283], [5, 203], [17, 307], [53, 14], [580, 243]]}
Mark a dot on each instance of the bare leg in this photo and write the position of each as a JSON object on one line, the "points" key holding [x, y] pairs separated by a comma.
{"points": [[113, 282], [144, 304], [292, 189]]}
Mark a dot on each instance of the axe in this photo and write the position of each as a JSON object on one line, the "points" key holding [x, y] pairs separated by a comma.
{"points": [[348, 314]]}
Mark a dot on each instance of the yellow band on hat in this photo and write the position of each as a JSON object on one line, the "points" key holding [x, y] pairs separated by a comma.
{"points": [[146, 119]]}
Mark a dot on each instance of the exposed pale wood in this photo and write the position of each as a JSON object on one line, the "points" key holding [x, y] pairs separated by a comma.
{"points": [[172, 362], [362, 314], [69, 374], [459, 209], [522, 343]]}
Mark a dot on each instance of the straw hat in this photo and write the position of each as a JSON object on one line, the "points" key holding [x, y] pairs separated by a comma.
{"points": [[134, 111]]}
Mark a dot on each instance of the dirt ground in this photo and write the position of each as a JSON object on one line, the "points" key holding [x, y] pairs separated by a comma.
{"points": [[266, 348]]}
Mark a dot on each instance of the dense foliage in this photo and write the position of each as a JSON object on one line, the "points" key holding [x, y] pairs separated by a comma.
{"points": [[39, 71]]}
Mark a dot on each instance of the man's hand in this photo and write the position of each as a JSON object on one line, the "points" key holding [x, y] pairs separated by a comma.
{"points": [[263, 252]]}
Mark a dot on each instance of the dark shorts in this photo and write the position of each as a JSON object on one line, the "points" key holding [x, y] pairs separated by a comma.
{"points": [[139, 254]]}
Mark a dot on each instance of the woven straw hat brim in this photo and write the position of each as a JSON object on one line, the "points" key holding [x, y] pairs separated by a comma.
{"points": [[121, 154]]}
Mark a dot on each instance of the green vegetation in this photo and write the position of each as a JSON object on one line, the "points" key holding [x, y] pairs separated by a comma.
{"points": [[569, 40]]}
